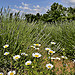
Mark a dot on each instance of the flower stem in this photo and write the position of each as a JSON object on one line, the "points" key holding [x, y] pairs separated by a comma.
{"points": [[11, 63], [50, 57]]}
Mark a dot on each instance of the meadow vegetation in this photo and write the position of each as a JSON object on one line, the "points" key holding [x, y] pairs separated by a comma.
{"points": [[37, 47], [21, 36]]}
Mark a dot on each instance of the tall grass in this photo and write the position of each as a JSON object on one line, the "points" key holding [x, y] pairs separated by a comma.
{"points": [[21, 35]]}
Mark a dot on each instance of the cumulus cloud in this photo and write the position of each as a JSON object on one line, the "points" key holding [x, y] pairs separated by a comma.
{"points": [[15, 10], [26, 5], [73, 1], [16, 6], [70, 3], [27, 8], [36, 6], [38, 9], [24, 8]]}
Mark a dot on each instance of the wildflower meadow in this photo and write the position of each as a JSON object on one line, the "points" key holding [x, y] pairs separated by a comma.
{"points": [[37, 48]]}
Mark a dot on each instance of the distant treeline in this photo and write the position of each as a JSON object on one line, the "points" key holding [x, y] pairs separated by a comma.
{"points": [[56, 13]]}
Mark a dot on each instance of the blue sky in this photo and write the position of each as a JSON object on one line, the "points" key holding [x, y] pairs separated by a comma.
{"points": [[33, 6]]}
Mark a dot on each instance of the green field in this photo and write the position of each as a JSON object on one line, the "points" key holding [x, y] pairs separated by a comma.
{"points": [[21, 35]]}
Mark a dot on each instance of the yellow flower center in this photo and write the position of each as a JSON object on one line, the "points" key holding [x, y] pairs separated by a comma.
{"points": [[63, 49], [32, 66], [6, 54], [33, 46], [16, 57], [49, 66], [51, 51], [28, 63], [26, 54], [11, 73], [48, 49], [0, 74], [37, 44], [36, 55], [6, 46], [53, 43]]}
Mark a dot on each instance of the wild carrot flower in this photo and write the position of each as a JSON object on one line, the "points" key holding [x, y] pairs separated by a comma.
{"points": [[1, 73], [37, 44], [16, 57], [28, 63], [37, 55], [5, 46], [11, 73], [53, 43], [49, 66], [6, 53]]}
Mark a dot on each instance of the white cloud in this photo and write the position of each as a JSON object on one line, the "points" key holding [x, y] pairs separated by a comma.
{"points": [[40, 10], [16, 6], [70, 3], [36, 6], [20, 7], [27, 8], [73, 1], [24, 8], [26, 5], [15, 10]]}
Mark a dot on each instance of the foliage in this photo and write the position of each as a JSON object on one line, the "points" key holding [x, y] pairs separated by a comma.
{"points": [[20, 35]]}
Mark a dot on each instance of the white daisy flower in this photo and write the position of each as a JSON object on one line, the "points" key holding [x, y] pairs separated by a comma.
{"points": [[11, 73], [6, 53], [64, 57], [5, 46], [37, 55], [51, 51], [53, 43], [1, 73], [23, 53], [16, 57], [32, 46], [37, 44], [52, 58], [63, 49], [47, 49], [28, 63], [57, 58], [26, 54], [32, 66], [49, 66], [37, 48]]}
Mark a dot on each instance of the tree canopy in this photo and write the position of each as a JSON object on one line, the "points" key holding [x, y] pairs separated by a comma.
{"points": [[57, 12]]}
